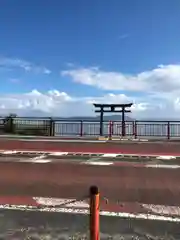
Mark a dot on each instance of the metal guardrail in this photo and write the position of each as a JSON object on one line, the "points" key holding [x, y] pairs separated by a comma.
{"points": [[83, 128], [134, 129]]}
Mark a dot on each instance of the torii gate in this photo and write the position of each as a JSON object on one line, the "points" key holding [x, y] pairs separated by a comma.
{"points": [[107, 108]]}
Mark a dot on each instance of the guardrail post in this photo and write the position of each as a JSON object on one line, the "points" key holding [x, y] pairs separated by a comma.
{"points": [[135, 129], [11, 125], [123, 128], [94, 213], [168, 130], [110, 127], [81, 128], [51, 127]]}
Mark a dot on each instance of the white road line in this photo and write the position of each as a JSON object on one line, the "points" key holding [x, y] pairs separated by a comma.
{"points": [[89, 153], [28, 160], [98, 163], [162, 209], [157, 209], [40, 159], [9, 152], [162, 166], [58, 153], [60, 201], [86, 212], [165, 157], [24, 151], [110, 155], [61, 140]]}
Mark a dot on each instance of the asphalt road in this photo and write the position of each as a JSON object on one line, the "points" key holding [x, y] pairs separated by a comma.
{"points": [[160, 148], [17, 225], [72, 180], [158, 186], [118, 160]]}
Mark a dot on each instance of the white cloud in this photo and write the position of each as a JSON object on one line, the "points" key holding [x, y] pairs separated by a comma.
{"points": [[13, 63], [56, 103], [163, 79], [160, 90]]}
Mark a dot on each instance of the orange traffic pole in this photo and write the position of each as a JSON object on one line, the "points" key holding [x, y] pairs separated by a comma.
{"points": [[94, 213]]}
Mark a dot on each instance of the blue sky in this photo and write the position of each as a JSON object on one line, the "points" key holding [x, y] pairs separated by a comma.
{"points": [[60, 44]]}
